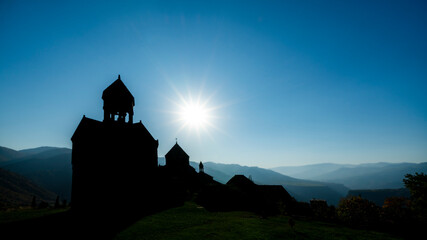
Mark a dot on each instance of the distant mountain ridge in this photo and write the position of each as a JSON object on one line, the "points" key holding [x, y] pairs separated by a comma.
{"points": [[312, 171], [6, 154], [363, 176], [50, 168]]}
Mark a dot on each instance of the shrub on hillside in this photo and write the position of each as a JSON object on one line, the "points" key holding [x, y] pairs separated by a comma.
{"points": [[356, 211], [396, 211], [322, 211], [417, 185]]}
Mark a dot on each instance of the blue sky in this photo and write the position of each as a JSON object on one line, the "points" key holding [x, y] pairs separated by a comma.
{"points": [[291, 82]]}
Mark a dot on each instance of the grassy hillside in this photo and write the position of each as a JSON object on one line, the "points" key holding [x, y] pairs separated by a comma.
{"points": [[193, 222], [16, 190], [186, 222], [25, 214]]}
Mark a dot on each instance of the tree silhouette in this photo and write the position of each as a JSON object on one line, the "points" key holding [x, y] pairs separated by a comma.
{"points": [[357, 211], [396, 211], [417, 185]]}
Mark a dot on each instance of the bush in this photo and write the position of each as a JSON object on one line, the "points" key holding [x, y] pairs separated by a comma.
{"points": [[417, 185], [356, 212], [322, 211], [396, 211]]}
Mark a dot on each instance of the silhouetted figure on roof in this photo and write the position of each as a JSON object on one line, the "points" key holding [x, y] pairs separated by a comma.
{"points": [[201, 168]]}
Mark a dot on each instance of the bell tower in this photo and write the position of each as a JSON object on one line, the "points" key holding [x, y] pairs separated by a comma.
{"points": [[118, 102]]}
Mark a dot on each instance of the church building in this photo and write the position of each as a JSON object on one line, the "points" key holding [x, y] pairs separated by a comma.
{"points": [[112, 159]]}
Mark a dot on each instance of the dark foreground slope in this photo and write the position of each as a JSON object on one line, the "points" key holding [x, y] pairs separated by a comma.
{"points": [[193, 222], [186, 222]]}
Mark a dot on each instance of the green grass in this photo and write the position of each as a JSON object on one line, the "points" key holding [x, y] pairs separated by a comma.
{"points": [[193, 222], [24, 214]]}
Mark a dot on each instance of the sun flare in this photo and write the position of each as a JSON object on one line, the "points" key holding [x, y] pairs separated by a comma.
{"points": [[194, 115]]}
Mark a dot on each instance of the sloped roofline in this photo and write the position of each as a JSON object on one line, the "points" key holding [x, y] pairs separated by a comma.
{"points": [[115, 86], [176, 148]]}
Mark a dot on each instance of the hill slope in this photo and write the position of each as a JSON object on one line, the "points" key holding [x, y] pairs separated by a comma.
{"points": [[7, 154], [16, 190], [50, 169]]}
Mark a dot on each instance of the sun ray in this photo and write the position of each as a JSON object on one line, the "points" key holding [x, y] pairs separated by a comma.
{"points": [[194, 112]]}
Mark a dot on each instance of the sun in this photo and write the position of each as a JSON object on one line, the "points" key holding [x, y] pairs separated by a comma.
{"points": [[195, 112], [194, 115]]}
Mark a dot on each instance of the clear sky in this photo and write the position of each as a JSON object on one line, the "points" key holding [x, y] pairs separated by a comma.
{"points": [[284, 82]]}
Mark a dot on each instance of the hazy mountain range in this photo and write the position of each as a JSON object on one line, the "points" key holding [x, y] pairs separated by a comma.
{"points": [[50, 168], [363, 176], [47, 167]]}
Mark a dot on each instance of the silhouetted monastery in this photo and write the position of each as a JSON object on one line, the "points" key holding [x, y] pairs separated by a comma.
{"points": [[115, 169], [112, 159]]}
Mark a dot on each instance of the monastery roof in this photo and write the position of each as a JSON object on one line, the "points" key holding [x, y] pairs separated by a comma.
{"points": [[118, 91], [91, 127], [176, 151]]}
